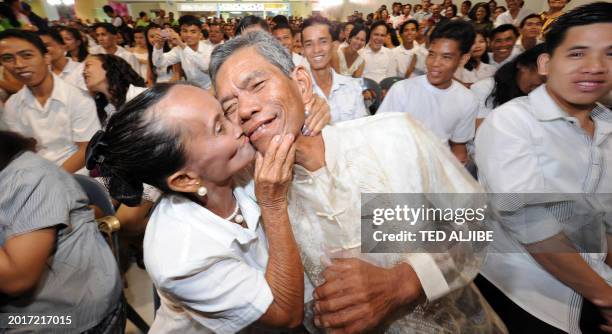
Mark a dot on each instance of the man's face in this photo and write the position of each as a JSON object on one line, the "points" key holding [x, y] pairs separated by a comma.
{"points": [[215, 35], [317, 42], [377, 37], [513, 4], [229, 30], [191, 34], [580, 69], [285, 37], [396, 8], [465, 8], [347, 30], [24, 61], [54, 49], [409, 34], [105, 38], [502, 45], [532, 28], [442, 61], [435, 10], [261, 97]]}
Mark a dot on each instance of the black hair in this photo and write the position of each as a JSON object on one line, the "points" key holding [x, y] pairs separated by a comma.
{"points": [[108, 9], [280, 19], [82, 51], [530, 16], [142, 14], [597, 12], [166, 48], [281, 26], [53, 33], [472, 13], [314, 20], [403, 26], [471, 64], [136, 148], [248, 21], [503, 28], [506, 86], [459, 31], [7, 12], [454, 8], [12, 145], [119, 76], [111, 29], [502, 7], [393, 33], [25, 35], [190, 20], [358, 28], [375, 25], [467, 2]]}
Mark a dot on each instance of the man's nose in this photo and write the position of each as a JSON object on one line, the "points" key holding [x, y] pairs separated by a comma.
{"points": [[247, 107]]}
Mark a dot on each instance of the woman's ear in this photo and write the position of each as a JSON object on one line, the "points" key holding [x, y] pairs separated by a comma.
{"points": [[304, 82], [183, 182], [543, 61]]}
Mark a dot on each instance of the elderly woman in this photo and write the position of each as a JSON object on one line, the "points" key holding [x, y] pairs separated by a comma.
{"points": [[220, 261]]}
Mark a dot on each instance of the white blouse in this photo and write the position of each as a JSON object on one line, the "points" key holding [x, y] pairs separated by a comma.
{"points": [[344, 69]]}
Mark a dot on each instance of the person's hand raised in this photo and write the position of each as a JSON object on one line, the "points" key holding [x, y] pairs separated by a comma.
{"points": [[274, 172]]}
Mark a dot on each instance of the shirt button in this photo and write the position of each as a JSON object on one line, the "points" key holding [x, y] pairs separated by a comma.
{"points": [[309, 181]]}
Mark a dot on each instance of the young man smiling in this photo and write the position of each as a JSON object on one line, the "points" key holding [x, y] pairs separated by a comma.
{"points": [[503, 42], [106, 36], [443, 105], [379, 62]]}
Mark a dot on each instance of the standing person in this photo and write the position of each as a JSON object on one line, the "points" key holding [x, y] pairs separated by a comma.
{"points": [[282, 33], [554, 141], [342, 93], [424, 11], [477, 68], [215, 35], [555, 9], [442, 104], [515, 14], [396, 15], [67, 69], [140, 50], [464, 11], [503, 42], [76, 48], [159, 74], [59, 116], [379, 62], [349, 62], [406, 54], [480, 17], [106, 35], [120, 24], [189, 50]]}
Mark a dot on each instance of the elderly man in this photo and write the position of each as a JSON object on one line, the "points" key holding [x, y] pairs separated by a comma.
{"points": [[258, 86]]}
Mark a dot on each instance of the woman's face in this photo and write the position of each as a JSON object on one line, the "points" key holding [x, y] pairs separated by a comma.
{"points": [[557, 4], [215, 148], [71, 43], [384, 14], [529, 79], [151, 33], [406, 10], [358, 41], [498, 11], [95, 74], [139, 38], [481, 13], [479, 47], [450, 12]]}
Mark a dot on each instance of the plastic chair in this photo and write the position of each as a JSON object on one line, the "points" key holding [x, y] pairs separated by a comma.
{"points": [[386, 83], [109, 225]]}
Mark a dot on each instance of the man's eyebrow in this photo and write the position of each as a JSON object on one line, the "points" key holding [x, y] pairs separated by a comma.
{"points": [[577, 47]]}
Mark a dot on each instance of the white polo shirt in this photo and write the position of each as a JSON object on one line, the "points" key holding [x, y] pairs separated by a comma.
{"points": [[515, 52], [194, 63], [483, 71], [209, 272], [450, 113], [73, 74], [530, 145], [482, 89], [345, 99], [69, 116], [506, 17], [403, 58], [378, 65]]}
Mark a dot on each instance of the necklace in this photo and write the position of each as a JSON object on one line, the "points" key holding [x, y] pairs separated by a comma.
{"points": [[235, 216]]}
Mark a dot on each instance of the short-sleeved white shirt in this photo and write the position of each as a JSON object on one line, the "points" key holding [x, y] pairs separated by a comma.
{"points": [[483, 71], [506, 17], [482, 89], [345, 99], [69, 116], [379, 65], [450, 113], [72, 73], [403, 57], [209, 272]]}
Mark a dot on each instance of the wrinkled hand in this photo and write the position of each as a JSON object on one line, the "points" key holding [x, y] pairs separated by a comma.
{"points": [[357, 296], [274, 171], [318, 116]]}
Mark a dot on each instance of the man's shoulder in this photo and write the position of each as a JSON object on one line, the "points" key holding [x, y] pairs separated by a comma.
{"points": [[462, 92], [15, 100]]}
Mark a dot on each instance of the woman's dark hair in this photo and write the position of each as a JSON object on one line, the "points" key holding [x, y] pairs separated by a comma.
{"points": [[7, 12], [248, 21], [394, 39], [356, 29], [82, 52], [472, 13], [12, 144], [506, 86], [137, 147], [166, 48], [471, 64], [454, 8], [119, 77]]}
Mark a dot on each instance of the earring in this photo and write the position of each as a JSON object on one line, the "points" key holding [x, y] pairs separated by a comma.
{"points": [[202, 191]]}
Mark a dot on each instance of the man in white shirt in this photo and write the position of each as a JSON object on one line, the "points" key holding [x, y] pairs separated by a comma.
{"points": [[503, 40], [514, 15], [555, 141], [215, 35], [379, 62], [406, 55], [396, 14], [106, 35], [342, 93], [62, 66], [283, 34], [258, 87], [61, 117], [531, 29], [189, 50], [425, 12], [443, 105]]}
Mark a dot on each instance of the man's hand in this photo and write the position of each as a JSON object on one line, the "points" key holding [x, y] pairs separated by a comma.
{"points": [[357, 296]]}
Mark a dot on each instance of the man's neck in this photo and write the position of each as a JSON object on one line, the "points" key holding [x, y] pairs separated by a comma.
{"points": [[579, 111], [528, 43], [59, 64], [43, 90], [220, 199], [195, 46], [498, 60], [310, 152], [409, 45], [324, 79], [112, 49], [443, 85], [514, 12], [375, 50]]}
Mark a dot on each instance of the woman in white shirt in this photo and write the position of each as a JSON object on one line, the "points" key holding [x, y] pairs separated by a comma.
{"points": [[477, 68], [205, 249], [349, 61], [159, 74], [140, 51]]}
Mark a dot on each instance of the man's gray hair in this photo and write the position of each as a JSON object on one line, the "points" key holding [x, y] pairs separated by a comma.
{"points": [[263, 42]]}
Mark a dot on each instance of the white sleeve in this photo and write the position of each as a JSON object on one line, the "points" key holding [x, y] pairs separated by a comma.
{"points": [[225, 297], [163, 60], [84, 118], [9, 116], [201, 60], [482, 92], [358, 104], [465, 129]]}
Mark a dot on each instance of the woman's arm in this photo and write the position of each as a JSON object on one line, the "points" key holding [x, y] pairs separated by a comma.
{"points": [[359, 72], [23, 259]]}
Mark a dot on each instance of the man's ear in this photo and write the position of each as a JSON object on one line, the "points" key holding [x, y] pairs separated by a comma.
{"points": [[543, 61], [184, 182], [304, 82]]}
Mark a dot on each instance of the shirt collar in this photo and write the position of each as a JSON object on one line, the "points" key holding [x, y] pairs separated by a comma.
{"points": [[58, 94], [337, 81]]}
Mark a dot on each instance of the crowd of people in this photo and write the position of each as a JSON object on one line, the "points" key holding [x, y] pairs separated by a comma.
{"points": [[235, 153]]}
